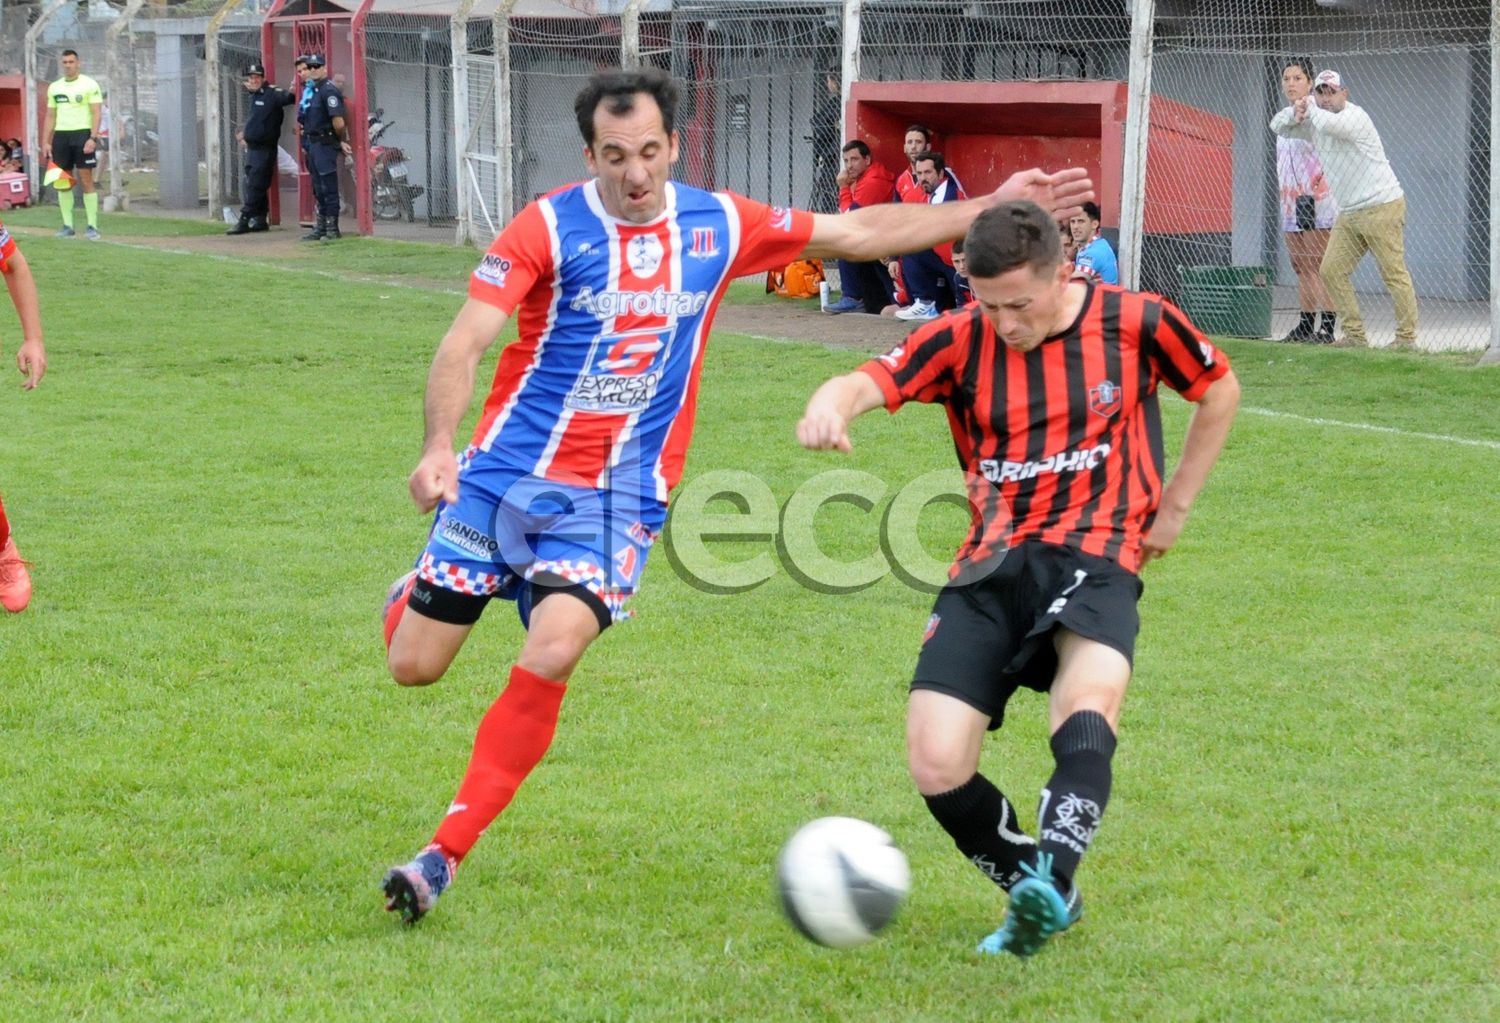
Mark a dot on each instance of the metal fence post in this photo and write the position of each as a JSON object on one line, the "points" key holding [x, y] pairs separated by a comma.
{"points": [[1137, 135], [852, 11], [212, 112], [1491, 356], [458, 35], [630, 34], [28, 93]]}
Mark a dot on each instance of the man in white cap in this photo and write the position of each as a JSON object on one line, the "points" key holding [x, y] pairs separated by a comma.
{"points": [[1372, 207]]}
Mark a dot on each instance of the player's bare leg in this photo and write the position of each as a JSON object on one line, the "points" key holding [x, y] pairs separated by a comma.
{"points": [[1090, 677], [943, 740], [511, 740], [421, 648]]}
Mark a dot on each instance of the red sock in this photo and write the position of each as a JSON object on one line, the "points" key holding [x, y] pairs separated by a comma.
{"points": [[4, 525], [395, 607], [515, 733]]}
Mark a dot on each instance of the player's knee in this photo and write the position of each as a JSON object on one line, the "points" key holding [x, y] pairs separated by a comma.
{"points": [[409, 667], [552, 656], [937, 766], [1105, 700]]}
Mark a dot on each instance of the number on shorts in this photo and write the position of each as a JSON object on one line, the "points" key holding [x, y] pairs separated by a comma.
{"points": [[1079, 575]]}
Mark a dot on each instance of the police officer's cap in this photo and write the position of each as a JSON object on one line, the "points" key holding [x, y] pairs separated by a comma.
{"points": [[301, 60], [256, 68], [314, 60]]}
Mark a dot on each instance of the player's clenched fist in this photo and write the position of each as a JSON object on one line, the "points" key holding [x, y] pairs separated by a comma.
{"points": [[434, 479], [823, 430]]}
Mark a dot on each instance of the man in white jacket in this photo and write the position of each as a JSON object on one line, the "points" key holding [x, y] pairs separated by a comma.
{"points": [[1372, 207]]}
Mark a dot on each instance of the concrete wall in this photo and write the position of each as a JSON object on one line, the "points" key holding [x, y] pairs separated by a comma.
{"points": [[177, 65]]}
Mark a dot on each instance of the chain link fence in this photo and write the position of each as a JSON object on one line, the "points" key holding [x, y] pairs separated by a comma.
{"points": [[409, 110], [758, 115], [476, 98], [993, 40], [1421, 70]]}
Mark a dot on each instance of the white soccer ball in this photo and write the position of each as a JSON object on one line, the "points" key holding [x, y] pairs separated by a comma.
{"points": [[841, 881]]}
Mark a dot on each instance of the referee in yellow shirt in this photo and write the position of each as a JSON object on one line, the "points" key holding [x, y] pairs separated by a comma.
{"points": [[71, 139]]}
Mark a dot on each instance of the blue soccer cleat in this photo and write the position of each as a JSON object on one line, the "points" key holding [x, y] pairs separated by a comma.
{"points": [[1037, 912], [412, 889]]}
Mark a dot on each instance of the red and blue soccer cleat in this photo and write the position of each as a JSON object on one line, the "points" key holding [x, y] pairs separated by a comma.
{"points": [[412, 889], [15, 581]]}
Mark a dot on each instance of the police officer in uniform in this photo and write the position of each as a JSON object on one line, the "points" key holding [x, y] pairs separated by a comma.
{"points": [[262, 132], [325, 137]]}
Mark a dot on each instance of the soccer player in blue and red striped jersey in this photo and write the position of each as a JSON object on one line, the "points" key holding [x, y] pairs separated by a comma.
{"points": [[1050, 385], [31, 360], [563, 488]]}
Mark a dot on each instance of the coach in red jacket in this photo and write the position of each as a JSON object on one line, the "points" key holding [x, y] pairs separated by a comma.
{"points": [[863, 182]]}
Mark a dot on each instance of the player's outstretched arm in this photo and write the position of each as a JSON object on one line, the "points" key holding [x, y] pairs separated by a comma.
{"points": [[1061, 194], [833, 406], [31, 357], [450, 388], [1206, 433], [872, 232]]}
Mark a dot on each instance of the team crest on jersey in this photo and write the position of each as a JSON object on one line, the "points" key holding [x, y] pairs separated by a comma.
{"points": [[643, 254], [892, 358], [1104, 399], [623, 374], [781, 219], [705, 244], [1208, 353]]}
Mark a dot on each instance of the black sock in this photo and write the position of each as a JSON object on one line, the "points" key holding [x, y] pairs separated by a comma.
{"points": [[1326, 325], [979, 818], [1073, 801], [1305, 324]]}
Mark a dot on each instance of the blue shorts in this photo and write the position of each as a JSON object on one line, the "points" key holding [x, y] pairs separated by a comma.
{"points": [[510, 532]]}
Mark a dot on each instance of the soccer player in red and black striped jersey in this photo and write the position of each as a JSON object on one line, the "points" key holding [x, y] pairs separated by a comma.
{"points": [[31, 360], [1050, 385]]}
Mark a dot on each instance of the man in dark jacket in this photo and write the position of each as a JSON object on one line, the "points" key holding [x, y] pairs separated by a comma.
{"points": [[261, 133]]}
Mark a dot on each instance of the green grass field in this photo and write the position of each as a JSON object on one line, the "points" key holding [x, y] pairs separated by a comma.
{"points": [[206, 769]]}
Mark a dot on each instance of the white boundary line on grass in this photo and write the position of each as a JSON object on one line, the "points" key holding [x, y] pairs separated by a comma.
{"points": [[1268, 413], [1444, 438], [221, 257]]}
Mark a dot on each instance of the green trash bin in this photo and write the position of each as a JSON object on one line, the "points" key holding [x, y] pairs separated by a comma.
{"points": [[1232, 300]]}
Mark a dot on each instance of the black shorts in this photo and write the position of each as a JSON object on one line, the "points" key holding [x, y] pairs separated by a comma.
{"points": [[987, 639], [67, 150]]}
